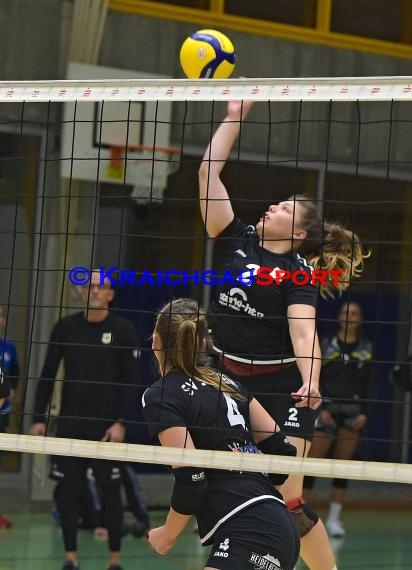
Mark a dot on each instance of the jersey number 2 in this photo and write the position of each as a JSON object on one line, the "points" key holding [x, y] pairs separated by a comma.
{"points": [[233, 415]]}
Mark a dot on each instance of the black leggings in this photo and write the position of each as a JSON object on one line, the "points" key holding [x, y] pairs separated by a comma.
{"points": [[134, 495], [71, 473]]}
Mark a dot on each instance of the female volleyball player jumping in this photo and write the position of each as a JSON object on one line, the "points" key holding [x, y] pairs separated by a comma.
{"points": [[264, 326], [240, 514]]}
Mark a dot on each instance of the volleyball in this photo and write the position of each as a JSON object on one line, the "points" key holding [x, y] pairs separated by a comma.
{"points": [[207, 54]]}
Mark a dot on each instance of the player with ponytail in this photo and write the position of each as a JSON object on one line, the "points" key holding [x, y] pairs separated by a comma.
{"points": [[265, 337], [240, 514]]}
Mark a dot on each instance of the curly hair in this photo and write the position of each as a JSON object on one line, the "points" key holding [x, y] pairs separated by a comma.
{"points": [[329, 246]]}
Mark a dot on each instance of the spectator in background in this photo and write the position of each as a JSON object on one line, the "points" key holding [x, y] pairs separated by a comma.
{"points": [[92, 516], [4, 393], [135, 500], [344, 383], [10, 373], [10, 363], [99, 350]]}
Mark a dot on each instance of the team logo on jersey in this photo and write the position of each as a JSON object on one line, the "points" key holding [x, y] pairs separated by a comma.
{"points": [[190, 387], [223, 546], [106, 338], [237, 300], [266, 562], [245, 448]]}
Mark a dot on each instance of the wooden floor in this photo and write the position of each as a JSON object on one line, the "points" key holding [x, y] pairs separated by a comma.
{"points": [[376, 540]]}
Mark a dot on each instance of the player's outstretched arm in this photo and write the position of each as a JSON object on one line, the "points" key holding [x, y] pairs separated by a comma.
{"points": [[215, 204], [262, 424], [302, 329]]}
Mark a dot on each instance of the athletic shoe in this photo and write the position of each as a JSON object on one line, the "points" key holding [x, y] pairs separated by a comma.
{"points": [[69, 565], [5, 522], [336, 543], [335, 528]]}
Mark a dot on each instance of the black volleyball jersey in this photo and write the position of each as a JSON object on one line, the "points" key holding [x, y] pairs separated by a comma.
{"points": [[215, 421], [346, 372], [249, 320]]}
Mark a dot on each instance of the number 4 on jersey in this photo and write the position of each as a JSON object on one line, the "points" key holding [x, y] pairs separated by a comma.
{"points": [[233, 415]]}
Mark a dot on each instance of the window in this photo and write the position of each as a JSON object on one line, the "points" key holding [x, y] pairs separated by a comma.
{"points": [[378, 19], [202, 4], [294, 12]]}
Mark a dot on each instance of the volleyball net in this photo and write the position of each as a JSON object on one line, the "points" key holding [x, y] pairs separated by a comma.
{"points": [[104, 174]]}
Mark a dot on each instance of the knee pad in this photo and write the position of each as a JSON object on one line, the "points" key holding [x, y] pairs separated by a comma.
{"points": [[304, 517]]}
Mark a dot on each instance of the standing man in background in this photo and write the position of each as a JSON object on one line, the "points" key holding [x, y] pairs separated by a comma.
{"points": [[99, 350]]}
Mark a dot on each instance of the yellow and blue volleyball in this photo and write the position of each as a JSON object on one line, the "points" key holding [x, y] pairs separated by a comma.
{"points": [[207, 54]]}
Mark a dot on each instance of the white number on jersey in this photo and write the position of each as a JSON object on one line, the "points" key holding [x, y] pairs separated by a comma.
{"points": [[233, 415]]}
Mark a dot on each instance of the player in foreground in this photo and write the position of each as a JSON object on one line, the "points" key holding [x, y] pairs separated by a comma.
{"points": [[192, 406]]}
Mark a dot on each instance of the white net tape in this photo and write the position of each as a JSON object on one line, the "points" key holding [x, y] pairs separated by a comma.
{"points": [[365, 470], [285, 89]]}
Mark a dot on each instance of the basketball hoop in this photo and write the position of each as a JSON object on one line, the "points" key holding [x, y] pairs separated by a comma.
{"points": [[132, 164], [144, 167]]}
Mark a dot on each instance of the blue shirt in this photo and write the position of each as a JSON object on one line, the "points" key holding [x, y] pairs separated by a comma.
{"points": [[10, 365]]}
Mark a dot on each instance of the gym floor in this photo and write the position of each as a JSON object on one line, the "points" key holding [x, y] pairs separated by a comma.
{"points": [[378, 540]]}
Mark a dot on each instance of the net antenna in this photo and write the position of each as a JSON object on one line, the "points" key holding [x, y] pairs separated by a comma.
{"points": [[145, 167]]}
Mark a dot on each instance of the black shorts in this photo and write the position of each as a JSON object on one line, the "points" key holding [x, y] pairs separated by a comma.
{"points": [[73, 470], [343, 414], [260, 537], [273, 391]]}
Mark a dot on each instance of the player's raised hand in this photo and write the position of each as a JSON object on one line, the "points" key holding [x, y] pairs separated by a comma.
{"points": [[237, 110]]}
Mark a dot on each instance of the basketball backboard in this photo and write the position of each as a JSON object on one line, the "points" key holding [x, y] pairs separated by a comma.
{"points": [[118, 142]]}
